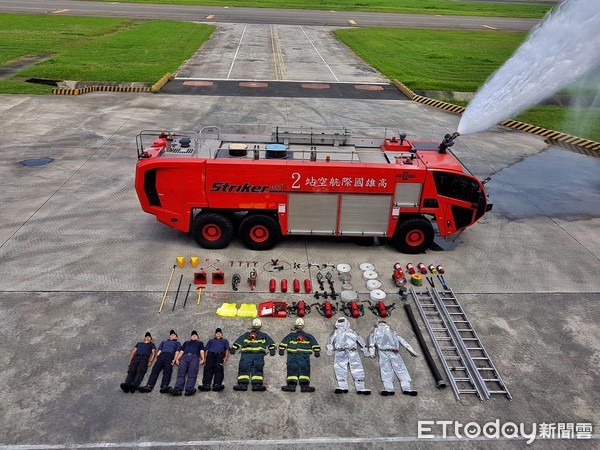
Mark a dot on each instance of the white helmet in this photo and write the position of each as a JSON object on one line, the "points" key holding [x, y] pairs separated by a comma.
{"points": [[256, 324], [299, 323]]}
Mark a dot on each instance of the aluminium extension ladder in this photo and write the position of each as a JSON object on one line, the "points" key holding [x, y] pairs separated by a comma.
{"points": [[466, 362]]}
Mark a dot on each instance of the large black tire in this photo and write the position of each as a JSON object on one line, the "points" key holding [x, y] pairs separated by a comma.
{"points": [[259, 232], [212, 230], [413, 235]]}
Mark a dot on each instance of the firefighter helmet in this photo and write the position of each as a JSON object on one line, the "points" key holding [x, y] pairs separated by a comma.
{"points": [[256, 324], [299, 323]]}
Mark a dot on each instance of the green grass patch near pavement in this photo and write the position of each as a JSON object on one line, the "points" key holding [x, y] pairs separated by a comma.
{"points": [[582, 122], [450, 7], [436, 60], [462, 61], [96, 49], [28, 35]]}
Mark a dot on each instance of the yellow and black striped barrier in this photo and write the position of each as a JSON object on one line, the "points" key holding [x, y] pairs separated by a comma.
{"points": [[404, 89], [581, 145], [78, 91], [121, 89], [574, 143], [439, 104], [160, 83], [94, 88]]}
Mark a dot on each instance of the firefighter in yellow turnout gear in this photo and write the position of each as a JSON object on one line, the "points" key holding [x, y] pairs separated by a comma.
{"points": [[254, 346], [299, 346]]}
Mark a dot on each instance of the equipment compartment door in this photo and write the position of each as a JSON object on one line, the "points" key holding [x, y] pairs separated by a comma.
{"points": [[312, 213], [365, 214]]}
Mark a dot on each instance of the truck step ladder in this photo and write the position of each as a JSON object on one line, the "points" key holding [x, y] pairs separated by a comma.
{"points": [[465, 360]]}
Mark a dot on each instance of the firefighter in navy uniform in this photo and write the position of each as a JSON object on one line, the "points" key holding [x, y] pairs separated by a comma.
{"points": [[217, 353], [165, 358], [188, 359], [141, 358], [254, 346], [299, 345]]}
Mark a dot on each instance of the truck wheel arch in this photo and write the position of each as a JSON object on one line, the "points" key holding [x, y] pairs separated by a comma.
{"points": [[414, 234]]}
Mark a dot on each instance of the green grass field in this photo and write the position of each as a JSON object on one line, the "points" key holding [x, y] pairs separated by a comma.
{"points": [[437, 60], [96, 49], [460, 61], [453, 7]]}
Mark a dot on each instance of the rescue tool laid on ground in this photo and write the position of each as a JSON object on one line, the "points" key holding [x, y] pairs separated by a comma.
{"points": [[305, 181]]}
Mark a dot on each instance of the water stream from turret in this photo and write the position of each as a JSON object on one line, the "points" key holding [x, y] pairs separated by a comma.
{"points": [[562, 49]]}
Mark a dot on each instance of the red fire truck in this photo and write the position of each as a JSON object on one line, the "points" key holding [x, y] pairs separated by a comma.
{"points": [[305, 181]]}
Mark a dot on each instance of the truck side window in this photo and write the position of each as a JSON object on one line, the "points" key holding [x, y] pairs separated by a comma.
{"points": [[456, 186]]}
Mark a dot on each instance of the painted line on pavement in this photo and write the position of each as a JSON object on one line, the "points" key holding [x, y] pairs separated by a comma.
{"points": [[236, 52], [279, 442], [319, 53]]}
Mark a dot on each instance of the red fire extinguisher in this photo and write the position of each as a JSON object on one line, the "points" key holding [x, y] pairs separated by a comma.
{"points": [[381, 309], [307, 286]]}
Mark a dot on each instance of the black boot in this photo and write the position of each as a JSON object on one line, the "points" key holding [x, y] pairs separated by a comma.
{"points": [[341, 391], [386, 393], [176, 392], [125, 387], [218, 387], [165, 390], [259, 387], [289, 388], [240, 387], [410, 392], [145, 389], [307, 388], [190, 392], [204, 387]]}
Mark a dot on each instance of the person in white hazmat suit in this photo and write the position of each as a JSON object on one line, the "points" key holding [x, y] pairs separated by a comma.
{"points": [[387, 342], [344, 342]]}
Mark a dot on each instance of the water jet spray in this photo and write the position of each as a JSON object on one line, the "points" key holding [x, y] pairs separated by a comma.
{"points": [[564, 48]]}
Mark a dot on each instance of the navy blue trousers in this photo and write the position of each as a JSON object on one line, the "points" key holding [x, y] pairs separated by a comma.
{"points": [[213, 368], [137, 370], [163, 363], [189, 365]]}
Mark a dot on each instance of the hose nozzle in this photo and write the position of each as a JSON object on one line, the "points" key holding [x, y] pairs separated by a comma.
{"points": [[447, 142]]}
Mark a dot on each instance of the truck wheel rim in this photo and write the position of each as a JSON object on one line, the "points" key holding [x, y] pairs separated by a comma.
{"points": [[211, 232], [415, 238], [259, 233]]}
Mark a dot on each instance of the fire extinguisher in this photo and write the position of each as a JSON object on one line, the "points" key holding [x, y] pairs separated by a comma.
{"points": [[307, 286], [302, 308], [380, 309], [326, 308], [399, 277], [353, 309], [299, 309]]}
